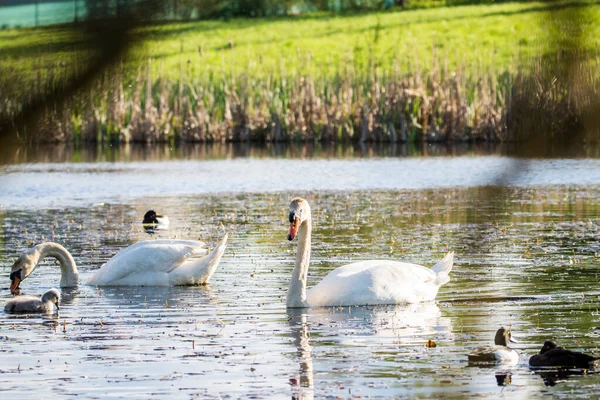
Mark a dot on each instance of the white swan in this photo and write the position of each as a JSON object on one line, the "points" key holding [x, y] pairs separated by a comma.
{"points": [[31, 304], [146, 263], [363, 283]]}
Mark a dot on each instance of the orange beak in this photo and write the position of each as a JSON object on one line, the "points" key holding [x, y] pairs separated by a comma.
{"points": [[293, 230], [14, 285]]}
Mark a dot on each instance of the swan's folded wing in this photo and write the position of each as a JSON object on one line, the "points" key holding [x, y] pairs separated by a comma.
{"points": [[195, 244], [146, 257], [374, 282]]}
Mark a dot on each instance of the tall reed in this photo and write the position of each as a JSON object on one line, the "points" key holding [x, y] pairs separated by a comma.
{"points": [[403, 103]]}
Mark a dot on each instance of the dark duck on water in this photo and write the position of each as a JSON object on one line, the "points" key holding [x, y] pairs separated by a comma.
{"points": [[551, 355]]}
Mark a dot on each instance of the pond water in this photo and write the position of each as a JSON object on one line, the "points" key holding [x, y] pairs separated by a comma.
{"points": [[526, 257]]}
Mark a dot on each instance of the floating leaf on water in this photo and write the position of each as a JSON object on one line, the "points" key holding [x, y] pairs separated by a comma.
{"points": [[430, 344]]}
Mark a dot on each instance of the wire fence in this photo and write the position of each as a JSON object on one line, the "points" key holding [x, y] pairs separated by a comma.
{"points": [[27, 13]]}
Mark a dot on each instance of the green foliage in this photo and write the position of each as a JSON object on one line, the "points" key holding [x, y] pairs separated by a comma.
{"points": [[224, 76]]}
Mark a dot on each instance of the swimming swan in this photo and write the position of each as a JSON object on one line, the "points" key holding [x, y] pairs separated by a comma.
{"points": [[147, 263], [361, 283], [500, 353], [31, 304]]}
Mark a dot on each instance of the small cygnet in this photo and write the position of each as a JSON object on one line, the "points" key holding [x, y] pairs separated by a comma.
{"points": [[23, 304]]}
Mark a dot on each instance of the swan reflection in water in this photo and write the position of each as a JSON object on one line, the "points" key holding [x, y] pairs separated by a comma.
{"points": [[406, 325], [302, 388], [156, 297]]}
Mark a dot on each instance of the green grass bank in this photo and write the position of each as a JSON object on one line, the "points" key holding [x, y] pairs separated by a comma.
{"points": [[441, 74]]}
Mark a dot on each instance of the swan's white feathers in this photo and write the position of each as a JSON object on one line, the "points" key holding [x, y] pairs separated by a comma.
{"points": [[198, 270], [148, 263], [443, 267], [378, 282]]}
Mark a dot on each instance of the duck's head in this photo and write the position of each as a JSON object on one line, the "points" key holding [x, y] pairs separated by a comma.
{"points": [[548, 345], [53, 296], [503, 337], [150, 218], [299, 212], [23, 267]]}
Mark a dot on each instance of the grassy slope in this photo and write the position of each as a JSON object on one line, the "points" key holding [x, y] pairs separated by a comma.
{"points": [[322, 44]]}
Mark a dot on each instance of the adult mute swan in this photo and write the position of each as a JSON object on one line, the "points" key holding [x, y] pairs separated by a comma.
{"points": [[499, 353], [147, 263], [362, 283], [45, 304]]}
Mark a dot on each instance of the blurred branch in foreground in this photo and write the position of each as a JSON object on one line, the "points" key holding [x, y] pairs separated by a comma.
{"points": [[102, 40], [556, 105]]}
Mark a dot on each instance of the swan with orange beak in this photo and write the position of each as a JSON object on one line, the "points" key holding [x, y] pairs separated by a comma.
{"points": [[369, 282]]}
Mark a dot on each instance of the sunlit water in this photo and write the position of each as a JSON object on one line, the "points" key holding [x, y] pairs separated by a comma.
{"points": [[526, 257]]}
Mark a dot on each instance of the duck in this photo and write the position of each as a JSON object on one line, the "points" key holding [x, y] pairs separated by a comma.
{"points": [[372, 282], [551, 355], [153, 221], [30, 304], [164, 262], [499, 353]]}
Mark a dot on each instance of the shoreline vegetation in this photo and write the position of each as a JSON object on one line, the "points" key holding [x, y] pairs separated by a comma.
{"points": [[132, 152], [148, 99]]}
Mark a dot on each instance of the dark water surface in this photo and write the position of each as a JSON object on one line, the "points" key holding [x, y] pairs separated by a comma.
{"points": [[526, 257]]}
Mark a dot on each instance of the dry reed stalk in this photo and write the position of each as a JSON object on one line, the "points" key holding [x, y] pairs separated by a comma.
{"points": [[381, 106]]}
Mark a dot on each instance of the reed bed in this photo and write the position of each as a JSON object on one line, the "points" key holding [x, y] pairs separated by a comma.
{"points": [[399, 104], [503, 73]]}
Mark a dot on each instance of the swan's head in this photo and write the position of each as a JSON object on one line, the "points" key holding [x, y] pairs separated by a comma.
{"points": [[548, 345], [23, 267], [150, 218], [299, 212], [53, 296], [503, 337]]}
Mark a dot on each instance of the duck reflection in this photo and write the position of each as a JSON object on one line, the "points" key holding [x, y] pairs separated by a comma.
{"points": [[503, 378], [553, 376], [302, 388]]}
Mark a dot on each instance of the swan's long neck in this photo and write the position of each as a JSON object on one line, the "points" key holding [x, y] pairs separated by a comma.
{"points": [[68, 270], [296, 296]]}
